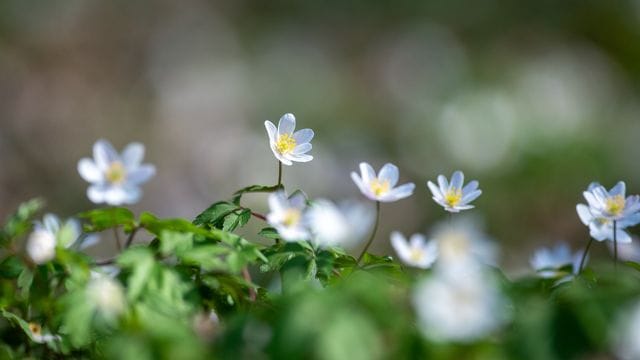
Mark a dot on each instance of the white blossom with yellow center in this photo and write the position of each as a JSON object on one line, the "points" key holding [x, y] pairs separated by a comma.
{"points": [[604, 207], [343, 225], [381, 186], [286, 215], [289, 146], [115, 178], [452, 195], [415, 252], [52, 232]]}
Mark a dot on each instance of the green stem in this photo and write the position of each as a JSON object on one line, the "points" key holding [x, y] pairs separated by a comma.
{"points": [[279, 172], [584, 255], [615, 244], [373, 233], [117, 236]]}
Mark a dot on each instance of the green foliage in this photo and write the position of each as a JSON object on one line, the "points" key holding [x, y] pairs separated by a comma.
{"points": [[102, 219]]}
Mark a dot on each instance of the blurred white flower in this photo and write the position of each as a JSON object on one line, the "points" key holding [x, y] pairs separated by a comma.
{"points": [[452, 196], [613, 204], [115, 178], [52, 232], [344, 225], [106, 295], [625, 335], [39, 337], [286, 215], [627, 252], [547, 261], [415, 252], [381, 187], [463, 247], [459, 309], [289, 146]]}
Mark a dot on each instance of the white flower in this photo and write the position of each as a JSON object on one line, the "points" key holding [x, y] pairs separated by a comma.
{"points": [[289, 146], [459, 309], [51, 232], [601, 228], [343, 225], [115, 178], [463, 247], [106, 295], [627, 252], [286, 215], [381, 187], [626, 333], [415, 252], [452, 196], [612, 204], [547, 261]]}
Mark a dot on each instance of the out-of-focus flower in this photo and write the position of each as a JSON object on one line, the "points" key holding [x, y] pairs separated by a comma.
{"points": [[547, 261], [381, 187], [344, 225], [415, 252], [115, 178], [625, 335], [463, 247], [38, 336], [627, 252], [107, 296], [612, 204], [289, 146], [52, 232], [451, 195], [459, 308], [286, 216]]}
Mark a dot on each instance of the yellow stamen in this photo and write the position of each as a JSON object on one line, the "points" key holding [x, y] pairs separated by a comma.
{"points": [[116, 173], [285, 144], [291, 217], [379, 188], [416, 254], [453, 197], [615, 204]]}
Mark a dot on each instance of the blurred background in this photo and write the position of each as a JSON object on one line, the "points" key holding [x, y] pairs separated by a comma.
{"points": [[535, 99]]}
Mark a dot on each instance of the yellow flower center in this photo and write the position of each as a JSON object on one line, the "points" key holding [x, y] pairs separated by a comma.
{"points": [[615, 205], [35, 328], [116, 173], [454, 245], [285, 144], [379, 188], [291, 217], [453, 197], [416, 254]]}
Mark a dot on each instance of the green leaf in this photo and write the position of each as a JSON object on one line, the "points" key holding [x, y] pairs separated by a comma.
{"points": [[18, 321], [175, 242], [24, 282], [269, 233], [214, 215], [209, 257], [102, 219], [236, 219], [66, 235], [20, 222], [141, 261], [237, 196], [157, 226]]}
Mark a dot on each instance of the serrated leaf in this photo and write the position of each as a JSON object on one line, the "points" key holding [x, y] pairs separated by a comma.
{"points": [[156, 226], [175, 242], [269, 233], [102, 219], [142, 264], [214, 215], [209, 257], [236, 219]]}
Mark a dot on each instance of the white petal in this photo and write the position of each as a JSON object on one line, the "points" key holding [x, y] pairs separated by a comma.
{"points": [[367, 173], [473, 185], [271, 131], [417, 240], [398, 193], [104, 154], [132, 194], [443, 183], [619, 189], [356, 179], [622, 237], [303, 136], [278, 202], [584, 214], [301, 149], [287, 124], [300, 158], [89, 171], [97, 193], [115, 195], [132, 155], [457, 179], [467, 198], [51, 223], [399, 244], [390, 173], [434, 190], [141, 175], [298, 200]]}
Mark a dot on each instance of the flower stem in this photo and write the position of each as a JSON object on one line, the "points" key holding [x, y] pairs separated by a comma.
{"points": [[584, 255], [615, 244], [131, 237], [373, 233], [117, 236], [279, 172]]}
